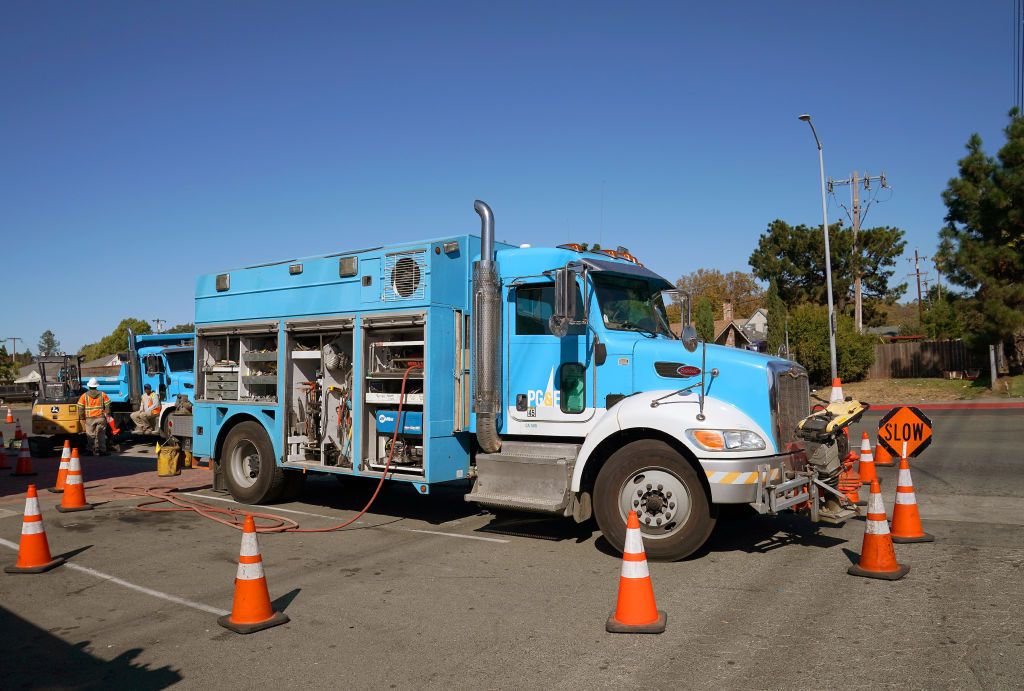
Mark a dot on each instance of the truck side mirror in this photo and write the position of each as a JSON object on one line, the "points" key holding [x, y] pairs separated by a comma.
{"points": [[689, 338], [565, 302]]}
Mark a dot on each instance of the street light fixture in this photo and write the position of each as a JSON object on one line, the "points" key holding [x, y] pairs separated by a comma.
{"points": [[828, 256]]}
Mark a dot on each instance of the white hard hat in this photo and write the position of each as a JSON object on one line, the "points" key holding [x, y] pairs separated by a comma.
{"points": [[93, 383]]}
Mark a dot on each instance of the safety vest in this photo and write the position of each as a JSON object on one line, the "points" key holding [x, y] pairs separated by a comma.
{"points": [[94, 405], [150, 403]]}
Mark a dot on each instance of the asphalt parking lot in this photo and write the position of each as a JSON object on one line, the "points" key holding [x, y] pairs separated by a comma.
{"points": [[430, 592]]}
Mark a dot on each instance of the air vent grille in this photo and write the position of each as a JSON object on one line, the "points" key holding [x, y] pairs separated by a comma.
{"points": [[405, 275]]}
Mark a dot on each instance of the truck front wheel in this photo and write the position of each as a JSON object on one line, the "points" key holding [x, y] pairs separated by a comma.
{"points": [[250, 469], [651, 478]]}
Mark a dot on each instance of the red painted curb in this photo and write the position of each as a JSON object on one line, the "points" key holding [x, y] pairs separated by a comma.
{"points": [[1009, 405]]}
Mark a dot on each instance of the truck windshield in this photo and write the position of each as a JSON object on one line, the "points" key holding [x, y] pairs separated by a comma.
{"points": [[631, 304], [180, 361]]}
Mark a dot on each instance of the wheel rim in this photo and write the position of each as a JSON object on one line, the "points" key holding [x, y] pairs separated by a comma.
{"points": [[661, 501], [244, 463]]}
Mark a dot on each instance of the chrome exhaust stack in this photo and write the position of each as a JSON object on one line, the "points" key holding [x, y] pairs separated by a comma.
{"points": [[486, 336]]}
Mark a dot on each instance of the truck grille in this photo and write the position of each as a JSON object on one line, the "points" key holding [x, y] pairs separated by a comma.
{"points": [[790, 400]]}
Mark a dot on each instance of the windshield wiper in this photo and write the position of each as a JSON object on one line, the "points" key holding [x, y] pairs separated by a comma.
{"points": [[632, 326]]}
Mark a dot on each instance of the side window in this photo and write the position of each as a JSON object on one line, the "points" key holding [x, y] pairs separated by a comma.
{"points": [[535, 303], [572, 384]]}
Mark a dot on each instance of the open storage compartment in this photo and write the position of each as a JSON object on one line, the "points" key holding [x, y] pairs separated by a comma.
{"points": [[319, 375], [392, 344]]}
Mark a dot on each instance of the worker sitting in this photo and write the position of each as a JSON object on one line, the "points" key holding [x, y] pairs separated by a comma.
{"points": [[147, 417], [93, 409]]}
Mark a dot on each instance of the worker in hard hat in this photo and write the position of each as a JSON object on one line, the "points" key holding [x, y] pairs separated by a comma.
{"points": [[93, 409], [147, 417]]}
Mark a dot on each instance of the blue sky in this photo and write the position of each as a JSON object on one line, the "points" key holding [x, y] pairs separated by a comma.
{"points": [[147, 142]]}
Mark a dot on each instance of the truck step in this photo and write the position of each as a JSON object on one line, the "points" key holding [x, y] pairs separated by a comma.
{"points": [[538, 450], [526, 476]]}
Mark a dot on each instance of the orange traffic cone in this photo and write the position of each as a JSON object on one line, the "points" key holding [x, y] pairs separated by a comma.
{"points": [[866, 467], [906, 521], [883, 457], [10, 416], [114, 429], [74, 490], [877, 555], [251, 610], [836, 394], [34, 550], [62, 471], [18, 434], [635, 611], [23, 468], [3, 454]]}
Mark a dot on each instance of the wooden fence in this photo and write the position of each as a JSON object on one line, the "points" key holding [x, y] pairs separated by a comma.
{"points": [[920, 359]]}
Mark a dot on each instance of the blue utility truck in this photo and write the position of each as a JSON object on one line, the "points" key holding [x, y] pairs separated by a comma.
{"points": [[165, 362], [545, 379]]}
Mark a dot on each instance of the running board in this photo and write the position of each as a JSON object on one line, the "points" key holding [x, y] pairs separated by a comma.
{"points": [[526, 476]]}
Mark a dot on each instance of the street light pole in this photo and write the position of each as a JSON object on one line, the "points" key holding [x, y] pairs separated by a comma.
{"points": [[828, 255]]}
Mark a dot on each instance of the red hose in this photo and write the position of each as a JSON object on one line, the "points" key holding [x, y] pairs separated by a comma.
{"points": [[279, 524]]}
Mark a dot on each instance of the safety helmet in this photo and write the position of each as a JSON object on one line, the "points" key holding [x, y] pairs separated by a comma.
{"points": [[93, 383]]}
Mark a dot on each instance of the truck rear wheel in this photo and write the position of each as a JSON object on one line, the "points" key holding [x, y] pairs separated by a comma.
{"points": [[250, 469], [651, 478]]}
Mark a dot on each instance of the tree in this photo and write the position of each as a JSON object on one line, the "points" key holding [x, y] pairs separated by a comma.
{"points": [[117, 341], [182, 328], [794, 257], [943, 318], [737, 287], [48, 343], [981, 246], [776, 319], [704, 320], [808, 338]]}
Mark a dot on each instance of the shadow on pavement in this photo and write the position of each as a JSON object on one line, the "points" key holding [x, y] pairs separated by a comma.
{"points": [[46, 661]]}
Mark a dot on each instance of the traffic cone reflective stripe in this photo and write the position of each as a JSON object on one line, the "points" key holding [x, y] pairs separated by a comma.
{"points": [[23, 467], [33, 550], [635, 610], [877, 555], [62, 471], [906, 519], [251, 609], [74, 490], [836, 395], [866, 466]]}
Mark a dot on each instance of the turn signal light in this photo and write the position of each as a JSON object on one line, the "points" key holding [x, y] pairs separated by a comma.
{"points": [[709, 439]]}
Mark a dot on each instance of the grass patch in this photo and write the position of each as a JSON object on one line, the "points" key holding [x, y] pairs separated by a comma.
{"points": [[923, 390]]}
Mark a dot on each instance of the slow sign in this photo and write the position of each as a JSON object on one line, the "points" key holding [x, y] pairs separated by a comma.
{"points": [[905, 424]]}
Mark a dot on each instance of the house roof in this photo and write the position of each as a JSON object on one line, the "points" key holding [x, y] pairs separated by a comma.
{"points": [[720, 336]]}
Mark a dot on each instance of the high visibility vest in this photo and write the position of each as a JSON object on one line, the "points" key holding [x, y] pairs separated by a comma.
{"points": [[150, 403], [94, 405]]}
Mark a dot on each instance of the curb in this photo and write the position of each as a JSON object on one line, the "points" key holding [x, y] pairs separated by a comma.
{"points": [[991, 405]]}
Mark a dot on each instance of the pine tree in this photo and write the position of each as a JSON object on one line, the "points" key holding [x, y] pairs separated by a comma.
{"points": [[705, 320], [48, 343], [982, 244]]}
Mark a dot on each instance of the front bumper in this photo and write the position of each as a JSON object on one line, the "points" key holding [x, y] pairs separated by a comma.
{"points": [[734, 480]]}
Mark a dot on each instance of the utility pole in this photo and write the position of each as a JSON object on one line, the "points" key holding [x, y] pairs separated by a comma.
{"points": [[159, 325], [917, 273], [855, 182], [14, 351]]}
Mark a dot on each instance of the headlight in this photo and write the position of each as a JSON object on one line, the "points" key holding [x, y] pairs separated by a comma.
{"points": [[726, 439]]}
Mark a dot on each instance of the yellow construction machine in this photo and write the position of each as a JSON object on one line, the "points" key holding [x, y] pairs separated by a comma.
{"points": [[55, 411]]}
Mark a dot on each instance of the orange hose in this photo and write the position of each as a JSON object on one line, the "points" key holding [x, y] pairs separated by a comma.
{"points": [[236, 517]]}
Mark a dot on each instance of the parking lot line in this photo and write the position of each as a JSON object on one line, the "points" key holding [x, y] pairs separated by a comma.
{"points": [[132, 586], [468, 537]]}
